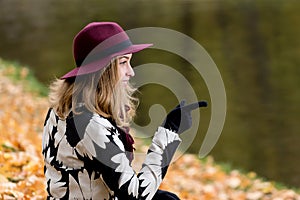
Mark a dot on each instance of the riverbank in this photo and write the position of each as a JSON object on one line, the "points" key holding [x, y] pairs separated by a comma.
{"points": [[22, 112]]}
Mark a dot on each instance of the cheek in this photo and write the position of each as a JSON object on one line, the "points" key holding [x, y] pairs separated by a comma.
{"points": [[122, 72]]}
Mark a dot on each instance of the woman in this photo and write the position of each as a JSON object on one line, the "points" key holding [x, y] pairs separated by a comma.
{"points": [[87, 147]]}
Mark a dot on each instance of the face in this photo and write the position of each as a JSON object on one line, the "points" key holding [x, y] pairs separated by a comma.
{"points": [[125, 69]]}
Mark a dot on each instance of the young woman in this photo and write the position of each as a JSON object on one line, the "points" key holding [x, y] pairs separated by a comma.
{"points": [[87, 147]]}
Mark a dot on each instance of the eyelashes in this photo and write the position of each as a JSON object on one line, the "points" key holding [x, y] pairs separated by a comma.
{"points": [[123, 62]]}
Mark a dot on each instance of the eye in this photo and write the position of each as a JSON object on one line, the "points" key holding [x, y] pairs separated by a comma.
{"points": [[123, 62]]}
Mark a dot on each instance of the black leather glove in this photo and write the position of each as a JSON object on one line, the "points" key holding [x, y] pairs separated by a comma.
{"points": [[180, 118]]}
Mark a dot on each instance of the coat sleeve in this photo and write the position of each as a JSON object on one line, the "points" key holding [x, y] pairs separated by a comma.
{"points": [[102, 144]]}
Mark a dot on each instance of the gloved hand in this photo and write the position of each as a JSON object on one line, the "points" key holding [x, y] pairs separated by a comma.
{"points": [[180, 118]]}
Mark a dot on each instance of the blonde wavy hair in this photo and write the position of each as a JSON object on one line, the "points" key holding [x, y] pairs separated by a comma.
{"points": [[101, 92]]}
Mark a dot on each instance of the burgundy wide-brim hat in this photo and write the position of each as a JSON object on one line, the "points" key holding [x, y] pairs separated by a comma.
{"points": [[97, 44]]}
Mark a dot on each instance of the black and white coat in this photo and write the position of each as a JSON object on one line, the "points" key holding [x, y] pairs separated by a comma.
{"points": [[85, 158]]}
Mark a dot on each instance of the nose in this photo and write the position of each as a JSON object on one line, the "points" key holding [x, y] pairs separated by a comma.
{"points": [[130, 71]]}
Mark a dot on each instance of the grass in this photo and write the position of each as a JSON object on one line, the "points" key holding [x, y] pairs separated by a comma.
{"points": [[23, 75]]}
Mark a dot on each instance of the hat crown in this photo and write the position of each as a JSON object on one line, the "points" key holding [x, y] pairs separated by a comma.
{"points": [[92, 35], [97, 44]]}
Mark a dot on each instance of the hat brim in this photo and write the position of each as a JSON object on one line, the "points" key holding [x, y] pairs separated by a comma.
{"points": [[91, 67]]}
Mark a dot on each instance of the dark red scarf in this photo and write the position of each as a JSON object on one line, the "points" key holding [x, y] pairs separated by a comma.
{"points": [[126, 139], [128, 142]]}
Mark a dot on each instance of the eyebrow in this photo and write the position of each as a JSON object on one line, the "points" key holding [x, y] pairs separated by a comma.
{"points": [[124, 57]]}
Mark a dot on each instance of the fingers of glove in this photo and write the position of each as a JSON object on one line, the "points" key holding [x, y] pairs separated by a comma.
{"points": [[202, 103], [184, 109], [180, 105], [180, 117], [195, 105], [186, 115]]}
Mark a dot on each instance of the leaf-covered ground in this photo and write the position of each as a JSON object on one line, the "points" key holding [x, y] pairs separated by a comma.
{"points": [[21, 122], [21, 165]]}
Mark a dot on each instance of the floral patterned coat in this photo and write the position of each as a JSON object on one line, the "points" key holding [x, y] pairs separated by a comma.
{"points": [[85, 158]]}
